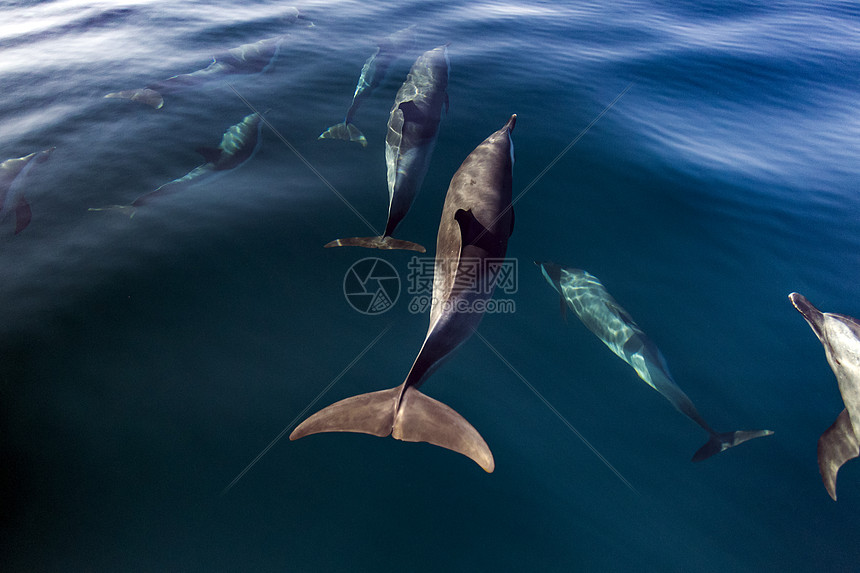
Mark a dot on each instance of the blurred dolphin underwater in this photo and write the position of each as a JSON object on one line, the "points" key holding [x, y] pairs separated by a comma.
{"points": [[613, 325]]}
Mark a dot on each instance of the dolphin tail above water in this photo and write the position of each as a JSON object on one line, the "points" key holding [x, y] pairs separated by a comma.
{"points": [[721, 442], [384, 242], [346, 131], [406, 414]]}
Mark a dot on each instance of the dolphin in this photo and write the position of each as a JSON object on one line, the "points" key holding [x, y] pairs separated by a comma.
{"points": [[372, 74], [413, 127], [840, 336], [13, 173], [477, 221], [238, 144], [246, 59], [615, 327]]}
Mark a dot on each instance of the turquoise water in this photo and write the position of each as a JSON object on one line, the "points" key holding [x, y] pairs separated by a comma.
{"points": [[146, 362]]}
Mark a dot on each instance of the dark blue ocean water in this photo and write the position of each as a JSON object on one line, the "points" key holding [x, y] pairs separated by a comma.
{"points": [[146, 362]]}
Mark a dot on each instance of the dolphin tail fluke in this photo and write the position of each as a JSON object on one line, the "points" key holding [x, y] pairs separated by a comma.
{"points": [[147, 96], [346, 131], [423, 419], [385, 243], [129, 210], [371, 413], [721, 442], [835, 447], [407, 415]]}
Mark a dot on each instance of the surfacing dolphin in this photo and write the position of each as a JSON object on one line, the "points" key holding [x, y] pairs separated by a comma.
{"points": [[372, 74], [413, 127], [477, 220], [615, 327], [238, 145], [840, 336], [251, 58], [13, 174]]}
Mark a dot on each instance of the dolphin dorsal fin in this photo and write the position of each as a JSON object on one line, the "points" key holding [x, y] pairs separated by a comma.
{"points": [[411, 112], [473, 232], [210, 154]]}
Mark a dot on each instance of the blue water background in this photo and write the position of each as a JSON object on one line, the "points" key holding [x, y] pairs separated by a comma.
{"points": [[145, 362]]}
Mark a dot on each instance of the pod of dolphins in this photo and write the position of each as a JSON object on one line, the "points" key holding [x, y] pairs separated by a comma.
{"points": [[477, 221], [372, 73], [412, 130]]}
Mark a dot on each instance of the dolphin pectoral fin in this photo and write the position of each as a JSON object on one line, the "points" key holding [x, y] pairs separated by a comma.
{"points": [[836, 446], [147, 96], [420, 418], [346, 131], [385, 243], [23, 214], [721, 442], [371, 413], [563, 308]]}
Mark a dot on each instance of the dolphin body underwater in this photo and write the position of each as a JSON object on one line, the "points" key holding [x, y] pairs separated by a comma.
{"points": [[840, 336], [372, 73], [13, 174], [477, 221], [599, 312], [238, 144], [413, 127], [250, 58]]}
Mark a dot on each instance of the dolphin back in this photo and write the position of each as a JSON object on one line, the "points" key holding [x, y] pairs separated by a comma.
{"points": [[406, 414]]}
